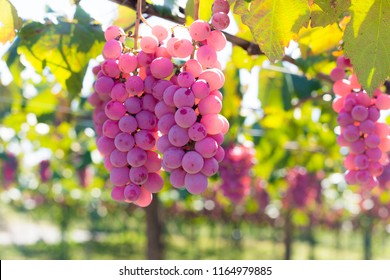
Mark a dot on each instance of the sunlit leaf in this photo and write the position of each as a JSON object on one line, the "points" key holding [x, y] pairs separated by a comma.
{"points": [[314, 41], [367, 41], [326, 12], [10, 22], [273, 22], [65, 48]]}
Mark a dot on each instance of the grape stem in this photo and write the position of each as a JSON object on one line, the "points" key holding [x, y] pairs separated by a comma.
{"points": [[137, 22], [196, 9]]}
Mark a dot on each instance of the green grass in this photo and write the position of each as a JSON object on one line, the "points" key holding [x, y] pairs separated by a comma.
{"points": [[201, 239]]}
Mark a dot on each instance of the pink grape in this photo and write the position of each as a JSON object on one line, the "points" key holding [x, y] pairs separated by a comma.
{"points": [[112, 49], [183, 97], [128, 124], [149, 102], [182, 48], [192, 162], [210, 105], [213, 77], [210, 167], [118, 158], [145, 139], [206, 147], [124, 142], [337, 74], [119, 93], [177, 178], [110, 68], [193, 66], [117, 193], [103, 85], [136, 157], [160, 87], [200, 88], [132, 192], [161, 67], [359, 113], [161, 109], [119, 176], [133, 105], [185, 79], [113, 32], [185, 117], [105, 145], [197, 132], [178, 136], [207, 56], [213, 123], [115, 110], [146, 120], [134, 85], [154, 183], [139, 175], [199, 30], [144, 199], [216, 40], [153, 162], [166, 122], [173, 157], [127, 62], [220, 20], [220, 6], [160, 32], [111, 128], [149, 44], [195, 183]]}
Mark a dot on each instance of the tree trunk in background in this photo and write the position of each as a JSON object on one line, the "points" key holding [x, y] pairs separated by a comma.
{"points": [[64, 226], [367, 237], [288, 235], [154, 231]]}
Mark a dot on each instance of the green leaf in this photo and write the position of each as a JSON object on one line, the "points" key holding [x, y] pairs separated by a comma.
{"points": [[367, 41], [10, 22], [326, 12], [277, 89], [65, 48], [273, 22]]}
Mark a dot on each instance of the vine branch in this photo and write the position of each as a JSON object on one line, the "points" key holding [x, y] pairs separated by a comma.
{"points": [[251, 47]]}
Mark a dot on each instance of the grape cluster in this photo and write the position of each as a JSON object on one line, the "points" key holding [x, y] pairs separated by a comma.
{"points": [[162, 97], [235, 171], [358, 114], [125, 121], [304, 188], [45, 172], [9, 170]]}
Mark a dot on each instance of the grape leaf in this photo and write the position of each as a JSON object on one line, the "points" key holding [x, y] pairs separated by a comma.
{"points": [[9, 21], [326, 12], [367, 41], [273, 22], [318, 40], [65, 48]]}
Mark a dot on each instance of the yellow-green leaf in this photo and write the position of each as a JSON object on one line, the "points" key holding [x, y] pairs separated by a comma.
{"points": [[273, 22], [9, 21], [325, 12], [319, 39], [367, 41], [65, 48]]}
